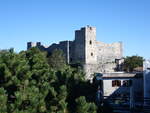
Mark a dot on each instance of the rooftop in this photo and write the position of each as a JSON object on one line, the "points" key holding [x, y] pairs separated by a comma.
{"points": [[120, 75]]}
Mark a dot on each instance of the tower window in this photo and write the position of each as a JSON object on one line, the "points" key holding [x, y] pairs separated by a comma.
{"points": [[90, 42], [91, 54]]}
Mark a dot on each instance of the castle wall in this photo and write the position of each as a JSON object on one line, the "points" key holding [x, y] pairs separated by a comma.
{"points": [[66, 47], [79, 46], [94, 56], [107, 54], [89, 70], [72, 51]]}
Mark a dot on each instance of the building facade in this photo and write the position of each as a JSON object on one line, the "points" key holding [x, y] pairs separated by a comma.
{"points": [[95, 56], [121, 89], [146, 68]]}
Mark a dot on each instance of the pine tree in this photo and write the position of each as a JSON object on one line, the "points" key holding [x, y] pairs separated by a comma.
{"points": [[3, 101], [57, 60], [84, 107], [32, 83]]}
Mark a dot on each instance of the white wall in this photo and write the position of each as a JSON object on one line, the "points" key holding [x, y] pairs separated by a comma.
{"points": [[109, 90], [146, 65]]}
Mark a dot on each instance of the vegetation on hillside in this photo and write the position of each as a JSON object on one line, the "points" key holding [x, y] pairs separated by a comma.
{"points": [[33, 82]]}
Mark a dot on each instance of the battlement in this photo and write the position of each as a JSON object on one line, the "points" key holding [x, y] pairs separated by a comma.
{"points": [[88, 27], [30, 45]]}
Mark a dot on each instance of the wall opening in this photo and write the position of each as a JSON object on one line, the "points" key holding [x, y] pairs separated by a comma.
{"points": [[126, 83], [90, 42], [116, 83]]}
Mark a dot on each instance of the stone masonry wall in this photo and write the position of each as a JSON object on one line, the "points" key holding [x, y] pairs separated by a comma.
{"points": [[107, 54], [96, 57], [79, 46], [90, 46]]}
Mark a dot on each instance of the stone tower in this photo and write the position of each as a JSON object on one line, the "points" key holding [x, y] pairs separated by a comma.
{"points": [[85, 49], [85, 45]]}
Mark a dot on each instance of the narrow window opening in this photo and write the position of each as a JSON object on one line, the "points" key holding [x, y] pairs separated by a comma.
{"points": [[90, 42]]}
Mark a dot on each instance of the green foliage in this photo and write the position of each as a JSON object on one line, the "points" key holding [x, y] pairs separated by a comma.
{"points": [[84, 107], [132, 62], [57, 60], [31, 82], [3, 101]]}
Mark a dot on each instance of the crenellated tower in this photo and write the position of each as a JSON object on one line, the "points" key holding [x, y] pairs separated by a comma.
{"points": [[85, 45]]}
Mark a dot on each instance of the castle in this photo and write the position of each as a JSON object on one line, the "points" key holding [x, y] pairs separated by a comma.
{"points": [[95, 56]]}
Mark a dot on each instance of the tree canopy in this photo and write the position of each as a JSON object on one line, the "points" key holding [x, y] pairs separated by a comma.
{"points": [[33, 82], [132, 62]]}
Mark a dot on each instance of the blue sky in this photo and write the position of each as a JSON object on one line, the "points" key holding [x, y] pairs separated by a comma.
{"points": [[51, 21]]}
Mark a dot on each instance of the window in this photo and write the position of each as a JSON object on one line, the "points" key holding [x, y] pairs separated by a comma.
{"points": [[116, 83], [91, 54], [127, 83], [90, 42]]}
